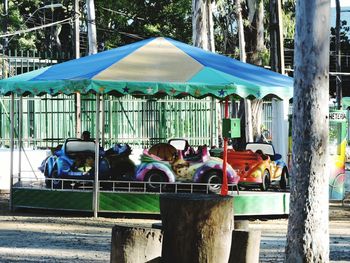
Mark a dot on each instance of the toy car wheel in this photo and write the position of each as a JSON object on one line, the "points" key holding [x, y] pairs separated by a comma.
{"points": [[47, 181], [214, 181], [154, 179], [265, 181], [284, 179], [126, 172], [56, 184]]}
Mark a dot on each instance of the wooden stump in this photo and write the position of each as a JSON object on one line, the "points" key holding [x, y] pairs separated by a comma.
{"points": [[245, 246], [135, 244], [241, 224], [196, 228]]}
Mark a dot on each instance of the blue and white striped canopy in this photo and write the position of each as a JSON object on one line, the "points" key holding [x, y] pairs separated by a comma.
{"points": [[156, 66]]}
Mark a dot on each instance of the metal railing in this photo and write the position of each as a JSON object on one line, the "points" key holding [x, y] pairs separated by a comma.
{"points": [[57, 184]]}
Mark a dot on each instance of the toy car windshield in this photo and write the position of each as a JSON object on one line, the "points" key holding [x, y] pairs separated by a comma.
{"points": [[80, 147], [179, 144], [264, 147]]}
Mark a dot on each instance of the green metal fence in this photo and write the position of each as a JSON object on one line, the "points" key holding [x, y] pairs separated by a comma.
{"points": [[47, 120]]}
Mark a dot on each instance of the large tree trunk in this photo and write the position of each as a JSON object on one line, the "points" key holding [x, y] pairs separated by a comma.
{"points": [[256, 47], [308, 235], [203, 37], [276, 36], [240, 29], [91, 27], [255, 31], [255, 44], [338, 55], [202, 24]]}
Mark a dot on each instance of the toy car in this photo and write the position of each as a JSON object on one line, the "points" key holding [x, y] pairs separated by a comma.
{"points": [[75, 160], [259, 165], [165, 163]]}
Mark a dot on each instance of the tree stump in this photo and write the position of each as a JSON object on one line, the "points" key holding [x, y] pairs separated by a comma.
{"points": [[245, 246], [135, 244], [241, 224], [196, 228]]}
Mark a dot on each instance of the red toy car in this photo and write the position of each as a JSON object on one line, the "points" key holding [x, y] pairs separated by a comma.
{"points": [[259, 165]]}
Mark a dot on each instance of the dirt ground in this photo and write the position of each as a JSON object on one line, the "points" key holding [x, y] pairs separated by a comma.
{"points": [[40, 236]]}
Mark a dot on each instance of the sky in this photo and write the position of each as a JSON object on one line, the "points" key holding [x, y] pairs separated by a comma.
{"points": [[344, 15], [343, 3]]}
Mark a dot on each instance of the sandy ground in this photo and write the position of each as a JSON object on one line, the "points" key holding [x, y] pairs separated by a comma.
{"points": [[40, 236]]}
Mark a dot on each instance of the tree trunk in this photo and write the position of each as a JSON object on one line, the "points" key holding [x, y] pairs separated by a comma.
{"points": [[255, 32], [203, 25], [256, 47], [240, 28], [245, 246], [338, 56], [135, 244], [255, 44], [203, 37], [92, 37], [196, 228], [308, 235], [257, 106], [276, 36]]}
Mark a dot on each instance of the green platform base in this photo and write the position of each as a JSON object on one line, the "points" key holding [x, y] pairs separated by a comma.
{"points": [[245, 204]]}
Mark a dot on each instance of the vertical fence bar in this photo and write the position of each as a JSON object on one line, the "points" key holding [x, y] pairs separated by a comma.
{"points": [[97, 151], [20, 135], [103, 120], [12, 139]]}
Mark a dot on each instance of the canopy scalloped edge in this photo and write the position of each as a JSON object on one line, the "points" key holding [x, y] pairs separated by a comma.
{"points": [[119, 88]]}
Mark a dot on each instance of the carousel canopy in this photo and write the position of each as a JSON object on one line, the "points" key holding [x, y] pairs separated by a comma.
{"points": [[156, 66]]}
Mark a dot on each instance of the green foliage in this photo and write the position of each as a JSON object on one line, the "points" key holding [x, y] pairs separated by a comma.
{"points": [[123, 22], [118, 22], [344, 37]]}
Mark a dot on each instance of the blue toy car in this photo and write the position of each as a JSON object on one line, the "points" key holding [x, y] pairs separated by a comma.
{"points": [[75, 160]]}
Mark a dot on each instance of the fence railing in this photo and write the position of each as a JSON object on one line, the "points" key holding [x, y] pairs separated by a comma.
{"points": [[48, 121]]}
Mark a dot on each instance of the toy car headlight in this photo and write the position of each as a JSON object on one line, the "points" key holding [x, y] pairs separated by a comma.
{"points": [[65, 167]]}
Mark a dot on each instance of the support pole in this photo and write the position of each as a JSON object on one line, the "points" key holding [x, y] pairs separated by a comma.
{"points": [[20, 135], [77, 55], [103, 120], [78, 114], [97, 155], [248, 120], [12, 144], [212, 120], [224, 187]]}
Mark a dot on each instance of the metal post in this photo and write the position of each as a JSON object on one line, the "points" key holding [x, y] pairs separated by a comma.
{"points": [[77, 55], [103, 120], [224, 187], [78, 114], [248, 120], [12, 138], [97, 155], [212, 120], [20, 134]]}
